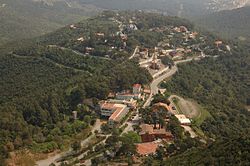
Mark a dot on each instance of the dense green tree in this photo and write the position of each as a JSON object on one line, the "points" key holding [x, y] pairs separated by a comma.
{"points": [[76, 146]]}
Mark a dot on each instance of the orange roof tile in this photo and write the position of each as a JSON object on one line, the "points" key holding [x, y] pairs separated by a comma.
{"points": [[137, 85], [146, 148], [116, 114]]}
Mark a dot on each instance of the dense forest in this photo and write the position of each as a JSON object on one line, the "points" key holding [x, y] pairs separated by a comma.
{"points": [[38, 91], [221, 152]]}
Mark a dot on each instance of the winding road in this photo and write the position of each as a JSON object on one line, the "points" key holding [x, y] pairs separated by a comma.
{"points": [[156, 81]]}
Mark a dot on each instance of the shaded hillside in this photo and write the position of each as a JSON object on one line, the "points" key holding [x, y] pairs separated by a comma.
{"points": [[26, 19], [229, 24], [222, 152]]}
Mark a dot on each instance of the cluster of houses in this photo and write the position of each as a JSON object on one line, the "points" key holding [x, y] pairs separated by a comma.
{"points": [[116, 109], [153, 135]]}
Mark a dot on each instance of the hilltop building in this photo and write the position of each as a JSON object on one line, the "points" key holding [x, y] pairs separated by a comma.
{"points": [[149, 134]]}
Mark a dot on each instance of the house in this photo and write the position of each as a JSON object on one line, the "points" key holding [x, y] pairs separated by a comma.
{"points": [[146, 91], [100, 34], [124, 36], [144, 53], [132, 27], [137, 88], [218, 43], [183, 119], [183, 29], [193, 35], [149, 134], [72, 26], [80, 39], [148, 148], [177, 29], [167, 52], [89, 49]]}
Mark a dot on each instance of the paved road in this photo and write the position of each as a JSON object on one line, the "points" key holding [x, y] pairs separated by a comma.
{"points": [[52, 159], [135, 51], [156, 81]]}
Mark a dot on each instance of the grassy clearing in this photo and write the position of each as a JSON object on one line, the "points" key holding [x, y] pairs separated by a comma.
{"points": [[203, 115], [197, 121]]}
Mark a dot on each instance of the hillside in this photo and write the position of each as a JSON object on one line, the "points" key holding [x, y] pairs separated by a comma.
{"points": [[30, 18], [27, 18], [47, 77], [183, 8], [221, 86], [230, 24], [222, 152]]}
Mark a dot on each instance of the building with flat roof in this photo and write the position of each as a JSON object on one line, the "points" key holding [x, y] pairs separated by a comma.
{"points": [[183, 119]]}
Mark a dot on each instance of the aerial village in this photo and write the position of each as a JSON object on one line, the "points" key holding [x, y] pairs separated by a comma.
{"points": [[126, 110]]}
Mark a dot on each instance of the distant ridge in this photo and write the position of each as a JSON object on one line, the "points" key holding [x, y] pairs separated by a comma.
{"points": [[229, 23]]}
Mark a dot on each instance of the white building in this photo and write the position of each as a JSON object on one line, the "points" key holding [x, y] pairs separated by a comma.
{"points": [[183, 119]]}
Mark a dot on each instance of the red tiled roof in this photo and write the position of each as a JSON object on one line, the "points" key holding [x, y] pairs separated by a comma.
{"points": [[137, 85], [146, 148], [109, 106], [116, 114]]}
